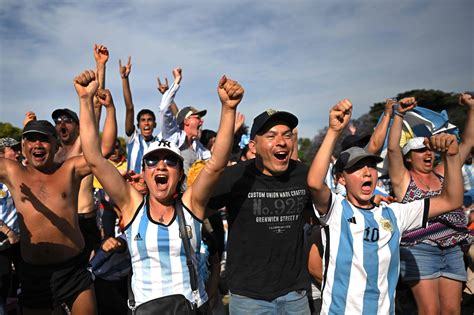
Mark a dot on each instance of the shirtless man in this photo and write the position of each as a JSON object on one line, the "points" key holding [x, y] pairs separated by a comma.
{"points": [[45, 193], [67, 128]]}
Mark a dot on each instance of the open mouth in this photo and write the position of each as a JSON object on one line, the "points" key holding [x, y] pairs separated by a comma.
{"points": [[63, 132], [161, 179], [367, 186], [281, 155], [146, 128], [39, 154]]}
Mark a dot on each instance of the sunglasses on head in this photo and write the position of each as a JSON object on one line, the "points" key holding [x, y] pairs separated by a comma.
{"points": [[170, 160], [65, 119]]}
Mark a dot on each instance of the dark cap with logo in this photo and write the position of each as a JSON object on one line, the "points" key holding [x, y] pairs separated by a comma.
{"points": [[351, 156], [271, 115], [40, 126], [187, 111], [65, 111]]}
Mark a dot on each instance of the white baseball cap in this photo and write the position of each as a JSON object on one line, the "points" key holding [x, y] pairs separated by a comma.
{"points": [[163, 145], [414, 144]]}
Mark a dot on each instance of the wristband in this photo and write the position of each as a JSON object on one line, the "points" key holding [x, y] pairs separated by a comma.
{"points": [[399, 114]]}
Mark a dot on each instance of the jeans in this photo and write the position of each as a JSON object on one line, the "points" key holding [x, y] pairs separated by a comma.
{"points": [[294, 303]]}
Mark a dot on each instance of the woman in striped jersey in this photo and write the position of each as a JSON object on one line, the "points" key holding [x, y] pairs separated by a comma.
{"points": [[158, 259]]}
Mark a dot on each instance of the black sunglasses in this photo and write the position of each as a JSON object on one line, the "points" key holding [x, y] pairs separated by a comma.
{"points": [[65, 119], [170, 160]]}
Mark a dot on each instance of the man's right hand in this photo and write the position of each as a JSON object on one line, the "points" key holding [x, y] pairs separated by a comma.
{"points": [[340, 115], [178, 75], [86, 84], [29, 116], [125, 70], [105, 97]]}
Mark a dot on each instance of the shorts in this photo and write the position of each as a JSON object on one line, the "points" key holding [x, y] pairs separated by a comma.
{"points": [[51, 285], [423, 261]]}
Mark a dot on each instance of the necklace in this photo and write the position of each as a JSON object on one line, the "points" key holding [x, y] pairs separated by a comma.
{"points": [[161, 219]]}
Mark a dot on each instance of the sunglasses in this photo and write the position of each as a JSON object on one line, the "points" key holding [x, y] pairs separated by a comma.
{"points": [[65, 119], [170, 161]]}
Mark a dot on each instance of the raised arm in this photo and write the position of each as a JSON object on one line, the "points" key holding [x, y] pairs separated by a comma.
{"points": [[127, 96], [167, 120], [399, 175], [101, 56], [467, 139], [29, 116], [109, 134], [451, 196], [339, 117], [86, 86], [196, 197], [380, 132]]}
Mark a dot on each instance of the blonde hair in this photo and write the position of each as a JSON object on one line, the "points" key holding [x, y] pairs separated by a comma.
{"points": [[194, 171]]}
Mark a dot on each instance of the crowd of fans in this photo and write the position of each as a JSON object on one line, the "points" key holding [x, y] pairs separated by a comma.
{"points": [[87, 227]]}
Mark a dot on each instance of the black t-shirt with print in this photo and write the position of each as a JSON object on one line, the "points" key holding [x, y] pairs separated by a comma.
{"points": [[265, 214]]}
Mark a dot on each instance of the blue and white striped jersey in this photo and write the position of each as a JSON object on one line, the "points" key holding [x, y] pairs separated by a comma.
{"points": [[363, 254], [7, 209], [158, 257], [136, 146]]}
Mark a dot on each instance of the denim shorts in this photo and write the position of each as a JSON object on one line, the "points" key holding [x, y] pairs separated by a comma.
{"points": [[423, 261], [295, 303]]}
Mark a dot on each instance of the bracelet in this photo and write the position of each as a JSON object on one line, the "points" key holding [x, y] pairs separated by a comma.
{"points": [[10, 230], [399, 114]]}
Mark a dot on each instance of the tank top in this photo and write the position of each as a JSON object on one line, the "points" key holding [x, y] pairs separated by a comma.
{"points": [[444, 230], [158, 257]]}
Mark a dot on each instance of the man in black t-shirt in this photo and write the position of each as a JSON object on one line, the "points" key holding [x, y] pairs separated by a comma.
{"points": [[265, 198]]}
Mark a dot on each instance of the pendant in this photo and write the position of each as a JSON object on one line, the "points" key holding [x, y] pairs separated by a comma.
{"points": [[161, 219]]}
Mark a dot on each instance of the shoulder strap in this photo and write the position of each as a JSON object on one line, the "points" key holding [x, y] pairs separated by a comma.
{"points": [[185, 236]]}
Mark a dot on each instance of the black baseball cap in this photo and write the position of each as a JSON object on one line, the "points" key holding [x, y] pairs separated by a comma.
{"points": [[40, 126], [351, 156], [187, 111], [67, 112], [272, 115]]}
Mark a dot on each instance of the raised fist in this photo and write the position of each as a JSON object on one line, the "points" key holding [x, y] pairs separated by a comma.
{"points": [[86, 84], [230, 92], [101, 53], [466, 99], [177, 74], [104, 97], [406, 104], [443, 143], [340, 115]]}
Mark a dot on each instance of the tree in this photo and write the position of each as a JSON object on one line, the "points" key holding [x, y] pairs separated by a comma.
{"points": [[7, 130]]}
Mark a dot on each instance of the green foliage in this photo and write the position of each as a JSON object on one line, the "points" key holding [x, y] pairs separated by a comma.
{"points": [[7, 130]]}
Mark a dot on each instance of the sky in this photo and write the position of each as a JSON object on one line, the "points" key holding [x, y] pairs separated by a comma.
{"points": [[297, 56]]}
